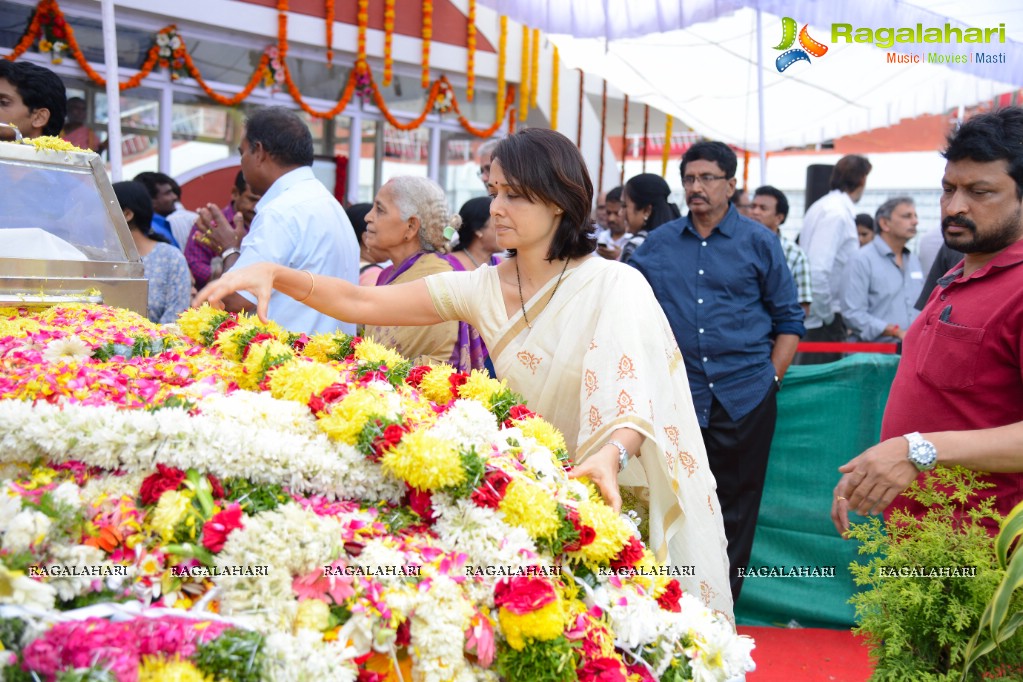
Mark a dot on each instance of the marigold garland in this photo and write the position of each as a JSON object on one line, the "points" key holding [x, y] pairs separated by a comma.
{"points": [[554, 89], [667, 145], [389, 41], [427, 36], [470, 44], [362, 19], [263, 72], [329, 19], [502, 60], [524, 76], [534, 70]]}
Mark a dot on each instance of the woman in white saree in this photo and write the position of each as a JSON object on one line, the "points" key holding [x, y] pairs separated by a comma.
{"points": [[581, 338]]}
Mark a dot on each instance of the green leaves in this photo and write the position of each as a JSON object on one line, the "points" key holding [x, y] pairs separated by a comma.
{"points": [[994, 629]]}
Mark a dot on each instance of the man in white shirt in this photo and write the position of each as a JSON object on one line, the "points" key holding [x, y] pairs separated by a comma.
{"points": [[830, 241], [298, 222]]}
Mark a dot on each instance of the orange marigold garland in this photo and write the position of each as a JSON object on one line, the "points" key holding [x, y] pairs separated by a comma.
{"points": [[534, 71], [329, 9], [470, 44], [363, 22], [524, 76], [388, 41], [427, 36], [502, 60], [554, 89], [666, 151]]}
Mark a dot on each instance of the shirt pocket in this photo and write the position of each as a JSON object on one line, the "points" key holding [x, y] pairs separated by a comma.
{"points": [[948, 359]]}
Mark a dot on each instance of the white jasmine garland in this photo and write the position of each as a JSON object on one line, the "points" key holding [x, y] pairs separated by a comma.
{"points": [[440, 618], [24, 529], [305, 657]]}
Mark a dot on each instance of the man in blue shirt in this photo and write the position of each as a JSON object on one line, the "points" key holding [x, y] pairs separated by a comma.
{"points": [[726, 289]]}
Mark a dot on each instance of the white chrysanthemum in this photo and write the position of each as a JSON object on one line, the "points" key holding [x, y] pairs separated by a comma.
{"points": [[80, 557], [466, 423], [301, 542], [305, 657], [19, 589], [26, 528], [67, 494], [377, 555], [67, 349]]}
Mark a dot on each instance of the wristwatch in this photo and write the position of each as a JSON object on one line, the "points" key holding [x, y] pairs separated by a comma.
{"points": [[623, 454], [922, 453], [230, 252]]}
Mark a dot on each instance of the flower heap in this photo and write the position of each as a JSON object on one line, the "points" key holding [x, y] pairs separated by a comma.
{"points": [[171, 52], [315, 506]]}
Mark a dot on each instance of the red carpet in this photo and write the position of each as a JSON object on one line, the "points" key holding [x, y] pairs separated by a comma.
{"points": [[807, 655]]}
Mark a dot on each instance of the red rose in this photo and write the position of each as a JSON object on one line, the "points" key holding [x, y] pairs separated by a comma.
{"points": [[419, 502], [334, 393], [300, 343], [602, 670], [58, 32], [218, 489], [375, 375], [227, 324], [353, 548], [642, 671], [166, 478], [220, 525], [670, 598], [316, 404], [258, 338], [518, 412], [417, 374], [492, 490], [404, 634], [384, 442], [456, 380], [630, 554], [524, 594], [586, 536]]}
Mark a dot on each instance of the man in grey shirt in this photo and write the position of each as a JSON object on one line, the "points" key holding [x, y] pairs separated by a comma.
{"points": [[884, 278]]}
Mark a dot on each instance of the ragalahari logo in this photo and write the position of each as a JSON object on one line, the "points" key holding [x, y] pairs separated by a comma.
{"points": [[788, 37]]}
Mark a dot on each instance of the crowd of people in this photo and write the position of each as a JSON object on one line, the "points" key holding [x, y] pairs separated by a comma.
{"points": [[656, 342]]}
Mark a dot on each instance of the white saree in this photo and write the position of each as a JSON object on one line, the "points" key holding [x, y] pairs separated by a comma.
{"points": [[600, 356]]}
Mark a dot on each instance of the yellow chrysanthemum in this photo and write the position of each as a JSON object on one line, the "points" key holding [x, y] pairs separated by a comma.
{"points": [[173, 508], [320, 346], [194, 321], [254, 362], [425, 462], [435, 384], [529, 506], [158, 669], [347, 417], [313, 614], [481, 387], [544, 624], [227, 341], [299, 379], [371, 351], [612, 534], [543, 432]]}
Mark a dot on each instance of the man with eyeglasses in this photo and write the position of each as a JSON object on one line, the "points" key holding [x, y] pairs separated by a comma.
{"points": [[830, 241], [726, 289], [298, 222], [485, 154]]}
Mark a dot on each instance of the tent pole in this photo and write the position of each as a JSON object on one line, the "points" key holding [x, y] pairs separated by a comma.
{"points": [[760, 96], [113, 89]]}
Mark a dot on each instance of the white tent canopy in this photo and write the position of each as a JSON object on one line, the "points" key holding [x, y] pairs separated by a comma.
{"points": [[699, 61]]}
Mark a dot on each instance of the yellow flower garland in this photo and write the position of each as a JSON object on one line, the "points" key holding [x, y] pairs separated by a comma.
{"points": [[544, 624], [427, 35], [502, 59], [524, 76], [534, 71], [470, 44], [424, 462], [388, 41], [555, 66], [667, 146]]}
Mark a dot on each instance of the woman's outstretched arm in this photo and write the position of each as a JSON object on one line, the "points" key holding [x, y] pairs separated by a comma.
{"points": [[398, 304]]}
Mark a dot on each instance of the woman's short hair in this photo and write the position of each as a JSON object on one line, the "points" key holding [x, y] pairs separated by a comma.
{"points": [[424, 199], [545, 166], [474, 214], [648, 189], [133, 196]]}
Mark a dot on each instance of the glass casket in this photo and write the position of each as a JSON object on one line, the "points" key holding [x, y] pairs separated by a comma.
{"points": [[63, 237]]}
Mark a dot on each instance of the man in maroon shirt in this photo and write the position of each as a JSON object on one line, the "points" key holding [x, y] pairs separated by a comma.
{"points": [[207, 242], [957, 398]]}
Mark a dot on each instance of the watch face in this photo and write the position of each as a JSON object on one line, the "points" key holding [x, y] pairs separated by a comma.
{"points": [[923, 455]]}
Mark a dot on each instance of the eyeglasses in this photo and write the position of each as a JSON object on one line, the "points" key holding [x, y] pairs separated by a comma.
{"points": [[705, 179], [484, 170]]}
